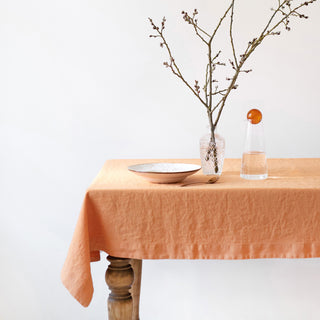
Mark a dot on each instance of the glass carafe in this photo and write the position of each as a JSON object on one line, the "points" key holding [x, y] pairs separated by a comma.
{"points": [[254, 160]]}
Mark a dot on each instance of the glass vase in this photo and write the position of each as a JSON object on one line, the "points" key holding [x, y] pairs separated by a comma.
{"points": [[212, 154]]}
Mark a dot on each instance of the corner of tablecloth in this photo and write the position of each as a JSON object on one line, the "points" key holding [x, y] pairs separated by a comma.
{"points": [[76, 271], [80, 289]]}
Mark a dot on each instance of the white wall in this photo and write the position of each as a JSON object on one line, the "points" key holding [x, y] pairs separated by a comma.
{"points": [[81, 82]]}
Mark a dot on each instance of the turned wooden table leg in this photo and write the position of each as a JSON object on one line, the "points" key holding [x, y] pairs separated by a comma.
{"points": [[135, 290], [119, 277]]}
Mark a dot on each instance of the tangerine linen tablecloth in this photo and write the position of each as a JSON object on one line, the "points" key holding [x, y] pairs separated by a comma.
{"points": [[126, 216]]}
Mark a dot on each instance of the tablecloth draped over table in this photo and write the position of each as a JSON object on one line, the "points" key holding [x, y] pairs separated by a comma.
{"points": [[126, 216]]}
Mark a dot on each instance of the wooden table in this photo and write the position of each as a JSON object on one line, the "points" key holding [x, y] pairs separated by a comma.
{"points": [[132, 219]]}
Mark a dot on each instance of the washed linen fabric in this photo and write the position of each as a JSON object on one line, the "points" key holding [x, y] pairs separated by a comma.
{"points": [[127, 216]]}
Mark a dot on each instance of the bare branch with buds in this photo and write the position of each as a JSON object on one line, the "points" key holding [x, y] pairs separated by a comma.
{"points": [[214, 99]]}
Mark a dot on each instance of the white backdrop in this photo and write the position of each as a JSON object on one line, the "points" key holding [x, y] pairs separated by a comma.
{"points": [[81, 82]]}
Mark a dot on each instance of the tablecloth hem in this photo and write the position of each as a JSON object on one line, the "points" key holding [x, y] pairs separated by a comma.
{"points": [[299, 250]]}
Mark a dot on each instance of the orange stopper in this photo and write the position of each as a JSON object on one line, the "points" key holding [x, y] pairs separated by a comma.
{"points": [[254, 116]]}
